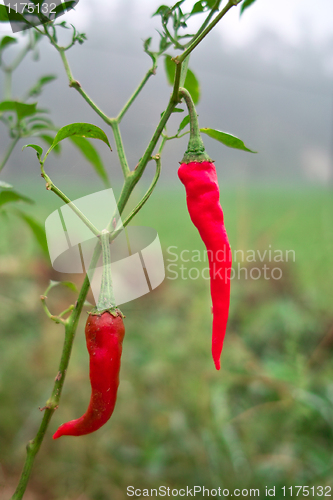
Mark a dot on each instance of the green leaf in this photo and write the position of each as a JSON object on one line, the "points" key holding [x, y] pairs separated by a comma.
{"points": [[185, 121], [193, 86], [5, 185], [7, 40], [211, 3], [37, 88], [163, 10], [37, 148], [91, 154], [191, 81], [20, 108], [12, 15], [37, 229], [227, 139], [178, 110], [79, 130], [38, 126], [146, 43], [63, 7], [197, 8], [13, 196], [41, 119], [245, 5], [3, 14], [170, 69]]}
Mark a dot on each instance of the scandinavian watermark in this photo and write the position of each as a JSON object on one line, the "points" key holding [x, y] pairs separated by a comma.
{"points": [[248, 264]]}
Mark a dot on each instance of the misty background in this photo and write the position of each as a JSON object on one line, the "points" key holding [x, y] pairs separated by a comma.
{"points": [[266, 77]]}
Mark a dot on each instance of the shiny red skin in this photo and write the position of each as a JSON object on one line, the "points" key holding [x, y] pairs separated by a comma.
{"points": [[203, 202], [104, 337]]}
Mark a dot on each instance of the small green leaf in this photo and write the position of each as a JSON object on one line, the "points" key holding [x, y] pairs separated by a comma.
{"points": [[211, 3], [37, 229], [178, 110], [38, 118], [185, 121], [197, 8], [37, 148], [170, 69], [38, 126], [5, 185], [91, 154], [146, 43], [65, 7], [245, 5], [7, 40], [7, 15], [20, 108], [163, 10], [193, 86], [79, 130], [227, 139], [3, 14], [63, 24], [37, 88], [13, 196]]}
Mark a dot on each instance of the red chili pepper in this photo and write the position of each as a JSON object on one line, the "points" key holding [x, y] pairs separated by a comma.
{"points": [[197, 173], [202, 196], [104, 337]]}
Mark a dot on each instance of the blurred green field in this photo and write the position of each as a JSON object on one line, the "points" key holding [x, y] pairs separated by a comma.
{"points": [[266, 419]]}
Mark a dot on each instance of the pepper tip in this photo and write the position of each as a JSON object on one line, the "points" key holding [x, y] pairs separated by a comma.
{"points": [[217, 364]]}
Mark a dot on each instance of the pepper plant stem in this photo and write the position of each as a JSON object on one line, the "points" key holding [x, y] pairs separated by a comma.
{"points": [[9, 152], [130, 101], [106, 298], [51, 187], [120, 147], [205, 32]]}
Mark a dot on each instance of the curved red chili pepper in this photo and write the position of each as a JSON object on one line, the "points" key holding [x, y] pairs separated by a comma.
{"points": [[202, 196], [104, 337]]}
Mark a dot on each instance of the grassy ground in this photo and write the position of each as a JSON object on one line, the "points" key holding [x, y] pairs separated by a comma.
{"points": [[264, 420]]}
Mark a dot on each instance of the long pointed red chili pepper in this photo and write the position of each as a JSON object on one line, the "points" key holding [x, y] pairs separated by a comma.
{"points": [[104, 337], [202, 196], [198, 174]]}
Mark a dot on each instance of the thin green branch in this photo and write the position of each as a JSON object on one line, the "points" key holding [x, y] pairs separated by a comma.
{"points": [[72, 82], [120, 147], [9, 152], [76, 85], [130, 101], [175, 42], [69, 309], [207, 20], [197, 40], [51, 187], [56, 319], [150, 190]]}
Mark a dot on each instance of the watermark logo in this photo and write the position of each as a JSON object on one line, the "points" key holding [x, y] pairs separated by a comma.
{"points": [[137, 264], [267, 264], [25, 15]]}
